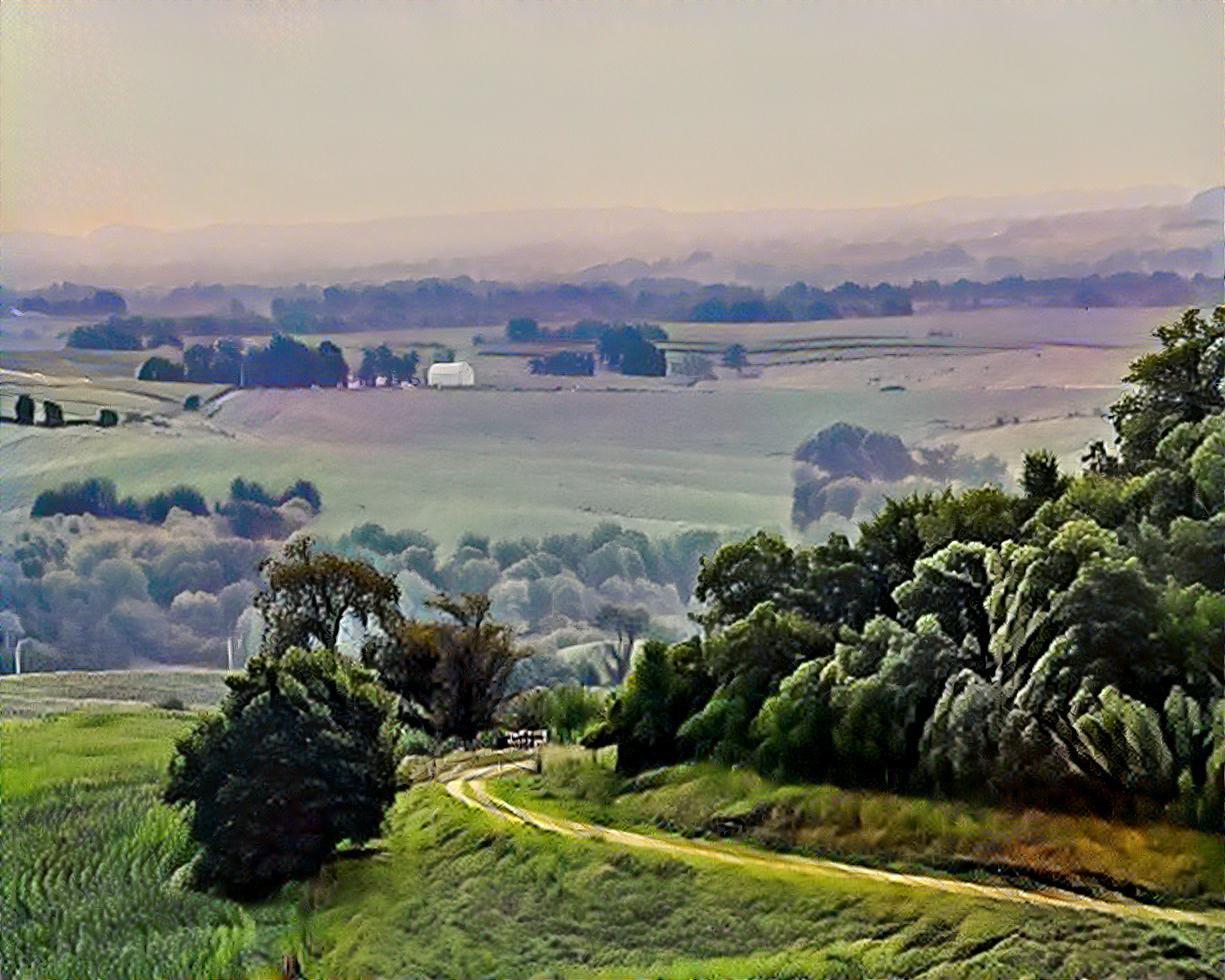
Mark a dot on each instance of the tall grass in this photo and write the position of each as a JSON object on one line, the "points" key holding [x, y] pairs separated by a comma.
{"points": [[1151, 860]]}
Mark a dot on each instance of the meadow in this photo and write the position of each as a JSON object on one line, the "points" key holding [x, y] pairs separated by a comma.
{"points": [[529, 455]]}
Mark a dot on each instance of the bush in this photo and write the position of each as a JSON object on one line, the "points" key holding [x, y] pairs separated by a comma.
{"points": [[301, 757], [160, 369], [108, 418]]}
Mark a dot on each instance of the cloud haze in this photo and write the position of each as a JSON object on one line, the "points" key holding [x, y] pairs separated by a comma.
{"points": [[175, 114]]}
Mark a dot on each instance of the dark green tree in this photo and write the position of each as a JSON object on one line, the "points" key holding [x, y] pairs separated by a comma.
{"points": [[25, 410], [743, 575], [1040, 477], [300, 757]]}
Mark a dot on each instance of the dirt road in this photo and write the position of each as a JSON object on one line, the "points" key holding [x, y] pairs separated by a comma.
{"points": [[470, 787]]}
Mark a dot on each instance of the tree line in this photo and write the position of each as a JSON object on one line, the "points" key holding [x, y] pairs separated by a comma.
{"points": [[1060, 646], [250, 508], [25, 412]]}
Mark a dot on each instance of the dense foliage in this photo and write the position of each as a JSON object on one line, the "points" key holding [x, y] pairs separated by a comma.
{"points": [[1062, 645], [564, 362], [301, 757], [251, 510], [462, 301]]}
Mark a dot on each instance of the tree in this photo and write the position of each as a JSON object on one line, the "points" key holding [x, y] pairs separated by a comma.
{"points": [[53, 415], [452, 677], [742, 575], [736, 357], [628, 622], [25, 410], [301, 756], [1040, 476], [1182, 382], [108, 418], [309, 595], [522, 329], [160, 369]]}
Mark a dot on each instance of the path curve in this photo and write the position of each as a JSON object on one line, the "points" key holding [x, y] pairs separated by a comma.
{"points": [[470, 787]]}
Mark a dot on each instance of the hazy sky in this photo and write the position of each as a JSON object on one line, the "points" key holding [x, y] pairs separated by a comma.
{"points": [[174, 113]]}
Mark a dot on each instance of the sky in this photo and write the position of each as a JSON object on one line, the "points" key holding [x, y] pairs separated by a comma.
{"points": [[177, 114]]}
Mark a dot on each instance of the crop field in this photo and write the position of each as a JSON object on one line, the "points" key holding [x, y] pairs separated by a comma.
{"points": [[32, 695], [532, 455], [90, 854]]}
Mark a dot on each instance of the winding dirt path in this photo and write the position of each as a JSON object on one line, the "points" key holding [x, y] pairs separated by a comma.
{"points": [[470, 787]]}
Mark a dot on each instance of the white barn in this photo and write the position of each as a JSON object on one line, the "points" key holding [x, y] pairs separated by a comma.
{"points": [[454, 374]]}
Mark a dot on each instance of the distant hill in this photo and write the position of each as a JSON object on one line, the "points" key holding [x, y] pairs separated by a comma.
{"points": [[1042, 235]]}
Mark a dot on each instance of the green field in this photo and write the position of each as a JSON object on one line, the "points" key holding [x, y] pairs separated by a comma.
{"points": [[89, 879], [89, 858], [513, 457]]}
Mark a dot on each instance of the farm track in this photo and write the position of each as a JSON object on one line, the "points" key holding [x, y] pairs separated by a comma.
{"points": [[470, 787]]}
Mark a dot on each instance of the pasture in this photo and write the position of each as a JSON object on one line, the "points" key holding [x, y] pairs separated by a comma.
{"points": [[531, 455]]}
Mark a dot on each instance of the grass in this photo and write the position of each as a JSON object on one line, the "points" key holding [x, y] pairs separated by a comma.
{"points": [[1153, 860], [88, 885], [89, 856], [457, 893], [31, 695]]}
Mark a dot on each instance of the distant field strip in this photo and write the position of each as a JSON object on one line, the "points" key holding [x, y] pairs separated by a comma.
{"points": [[471, 789]]}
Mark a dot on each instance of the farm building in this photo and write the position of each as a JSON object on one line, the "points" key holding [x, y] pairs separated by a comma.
{"points": [[455, 374]]}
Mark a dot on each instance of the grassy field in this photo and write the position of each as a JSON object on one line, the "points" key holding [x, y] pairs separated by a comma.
{"points": [[459, 894], [510, 459], [89, 857], [48, 693], [1155, 861]]}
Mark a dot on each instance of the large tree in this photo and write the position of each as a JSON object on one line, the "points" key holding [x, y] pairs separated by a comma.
{"points": [[1182, 382], [301, 756]]}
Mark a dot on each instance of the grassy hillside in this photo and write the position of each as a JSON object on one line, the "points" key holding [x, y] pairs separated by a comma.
{"points": [[458, 894], [90, 856], [1154, 861]]}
